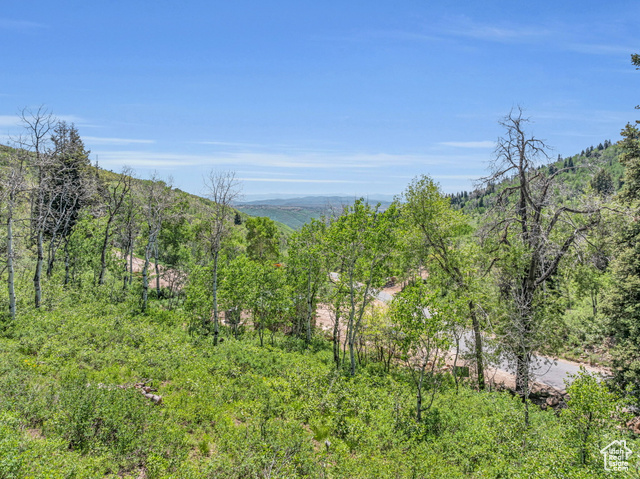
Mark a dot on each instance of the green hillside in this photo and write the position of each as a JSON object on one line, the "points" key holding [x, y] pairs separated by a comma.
{"points": [[292, 216], [69, 407], [602, 160], [295, 212]]}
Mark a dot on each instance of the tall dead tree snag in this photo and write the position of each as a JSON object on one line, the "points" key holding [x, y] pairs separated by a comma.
{"points": [[114, 196], [38, 126], [528, 236], [128, 230], [157, 203], [223, 189]]}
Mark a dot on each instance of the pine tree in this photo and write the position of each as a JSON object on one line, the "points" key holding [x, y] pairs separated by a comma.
{"points": [[602, 183], [69, 188]]}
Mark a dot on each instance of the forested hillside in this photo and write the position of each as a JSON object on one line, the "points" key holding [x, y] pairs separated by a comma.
{"points": [[296, 212], [146, 332], [595, 170]]}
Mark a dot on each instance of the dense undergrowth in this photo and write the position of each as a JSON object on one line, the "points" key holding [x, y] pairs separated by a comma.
{"points": [[68, 409]]}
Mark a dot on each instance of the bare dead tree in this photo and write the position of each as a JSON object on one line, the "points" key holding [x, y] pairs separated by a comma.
{"points": [[38, 125], [128, 230], [115, 196], [528, 236], [158, 199], [223, 189]]}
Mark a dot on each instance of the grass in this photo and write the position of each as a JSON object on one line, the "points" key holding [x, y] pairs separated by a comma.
{"points": [[68, 408]]}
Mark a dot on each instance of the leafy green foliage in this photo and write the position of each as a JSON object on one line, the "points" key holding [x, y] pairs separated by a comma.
{"points": [[68, 406], [263, 240]]}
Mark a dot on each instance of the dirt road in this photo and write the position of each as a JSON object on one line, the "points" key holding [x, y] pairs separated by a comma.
{"points": [[548, 372]]}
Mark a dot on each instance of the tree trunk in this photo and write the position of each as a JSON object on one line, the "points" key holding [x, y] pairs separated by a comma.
{"points": [[37, 278], [52, 255], [131, 262], [455, 365], [216, 325], [67, 268], [478, 344], [10, 280], [352, 357], [336, 340], [522, 372], [261, 331], [103, 254], [585, 440], [125, 275], [419, 394], [309, 307], [350, 335], [155, 250], [145, 276]]}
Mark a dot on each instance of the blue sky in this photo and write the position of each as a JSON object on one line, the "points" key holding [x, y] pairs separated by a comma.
{"points": [[297, 97]]}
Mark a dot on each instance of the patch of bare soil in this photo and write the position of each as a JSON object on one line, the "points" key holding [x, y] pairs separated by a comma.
{"points": [[34, 433], [169, 278]]}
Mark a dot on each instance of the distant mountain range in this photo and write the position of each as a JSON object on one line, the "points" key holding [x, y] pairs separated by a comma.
{"points": [[295, 212]]}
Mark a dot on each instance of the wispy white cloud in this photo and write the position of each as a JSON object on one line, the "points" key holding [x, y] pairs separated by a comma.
{"points": [[455, 177], [232, 144], [13, 123], [9, 121], [301, 180], [505, 33], [559, 36], [76, 120], [589, 116], [8, 24], [115, 141], [368, 35], [492, 33], [600, 49], [143, 159], [469, 144], [267, 148], [304, 160]]}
